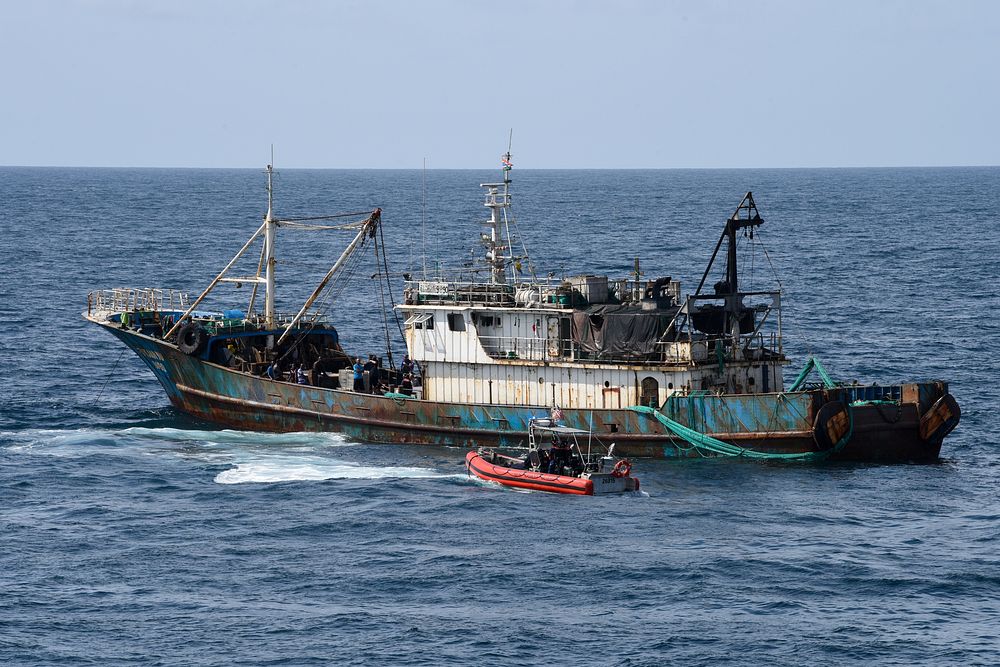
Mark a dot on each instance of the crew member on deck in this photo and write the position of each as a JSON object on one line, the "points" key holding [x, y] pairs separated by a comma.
{"points": [[372, 367], [560, 455], [406, 386], [406, 368], [359, 375], [543, 460], [300, 375]]}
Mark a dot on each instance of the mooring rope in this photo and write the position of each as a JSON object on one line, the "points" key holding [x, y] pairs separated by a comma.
{"points": [[110, 375], [719, 447]]}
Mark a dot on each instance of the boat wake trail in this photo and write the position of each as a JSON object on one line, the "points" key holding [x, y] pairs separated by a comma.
{"points": [[249, 457], [199, 443], [269, 469]]}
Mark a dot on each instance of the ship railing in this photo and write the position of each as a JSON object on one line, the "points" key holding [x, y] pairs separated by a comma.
{"points": [[496, 198], [532, 349], [695, 350], [456, 292], [156, 300], [131, 299], [552, 293], [684, 351], [448, 292], [754, 347], [633, 291], [565, 349]]}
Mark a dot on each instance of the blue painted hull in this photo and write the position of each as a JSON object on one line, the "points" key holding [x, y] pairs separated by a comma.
{"points": [[776, 423]]}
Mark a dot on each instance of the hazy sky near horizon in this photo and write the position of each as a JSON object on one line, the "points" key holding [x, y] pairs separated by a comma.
{"points": [[582, 83]]}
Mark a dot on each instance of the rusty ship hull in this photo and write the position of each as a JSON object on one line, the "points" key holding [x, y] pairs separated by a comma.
{"points": [[776, 423]]}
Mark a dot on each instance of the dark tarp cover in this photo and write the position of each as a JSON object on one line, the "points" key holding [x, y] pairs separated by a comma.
{"points": [[619, 331]]}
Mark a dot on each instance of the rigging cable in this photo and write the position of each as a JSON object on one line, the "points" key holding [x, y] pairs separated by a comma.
{"points": [[774, 271], [256, 285], [108, 379], [392, 299], [524, 248], [334, 290], [333, 216], [381, 298]]}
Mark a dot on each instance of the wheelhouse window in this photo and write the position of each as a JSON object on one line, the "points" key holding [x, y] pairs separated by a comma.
{"points": [[420, 321], [456, 321]]}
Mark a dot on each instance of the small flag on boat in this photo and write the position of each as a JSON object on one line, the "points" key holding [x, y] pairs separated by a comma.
{"points": [[507, 165], [556, 415]]}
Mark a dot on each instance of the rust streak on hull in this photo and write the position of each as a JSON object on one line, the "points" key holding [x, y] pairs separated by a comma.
{"points": [[240, 400]]}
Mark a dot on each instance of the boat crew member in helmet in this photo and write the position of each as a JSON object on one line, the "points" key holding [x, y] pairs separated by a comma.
{"points": [[544, 460], [407, 366], [406, 386], [560, 455], [359, 375]]}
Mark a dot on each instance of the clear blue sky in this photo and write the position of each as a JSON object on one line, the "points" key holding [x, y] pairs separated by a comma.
{"points": [[583, 83]]}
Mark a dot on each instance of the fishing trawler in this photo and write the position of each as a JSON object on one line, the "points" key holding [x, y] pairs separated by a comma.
{"points": [[630, 360]]}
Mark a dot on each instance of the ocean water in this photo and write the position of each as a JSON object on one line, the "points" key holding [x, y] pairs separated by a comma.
{"points": [[132, 535]]}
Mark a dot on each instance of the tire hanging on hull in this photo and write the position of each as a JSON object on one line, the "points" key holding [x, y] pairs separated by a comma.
{"points": [[191, 339], [832, 424]]}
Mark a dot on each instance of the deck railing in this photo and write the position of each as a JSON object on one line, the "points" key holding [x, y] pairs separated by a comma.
{"points": [[130, 299], [754, 347]]}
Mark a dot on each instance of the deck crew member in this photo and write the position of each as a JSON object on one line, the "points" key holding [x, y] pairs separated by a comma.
{"points": [[406, 386], [359, 375], [300, 375], [560, 455], [372, 367], [543, 460], [406, 368]]}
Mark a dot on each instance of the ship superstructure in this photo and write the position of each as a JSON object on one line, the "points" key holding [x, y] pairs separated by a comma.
{"points": [[588, 341]]}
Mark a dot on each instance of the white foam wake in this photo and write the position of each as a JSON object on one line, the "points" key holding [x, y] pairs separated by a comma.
{"points": [[254, 457], [82, 442], [57, 441], [270, 469], [239, 438]]}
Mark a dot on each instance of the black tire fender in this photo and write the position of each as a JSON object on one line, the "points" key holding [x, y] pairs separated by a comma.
{"points": [[191, 338], [832, 423]]}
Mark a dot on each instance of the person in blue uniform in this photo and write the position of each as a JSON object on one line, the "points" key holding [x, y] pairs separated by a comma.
{"points": [[359, 375]]}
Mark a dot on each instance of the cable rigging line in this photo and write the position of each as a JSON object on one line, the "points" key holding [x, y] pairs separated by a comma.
{"points": [[381, 298], [392, 299]]}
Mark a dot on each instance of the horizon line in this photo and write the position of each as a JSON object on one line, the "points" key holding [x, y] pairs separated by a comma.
{"points": [[419, 168]]}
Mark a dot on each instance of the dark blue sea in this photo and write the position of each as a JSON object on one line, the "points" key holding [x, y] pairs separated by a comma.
{"points": [[132, 535]]}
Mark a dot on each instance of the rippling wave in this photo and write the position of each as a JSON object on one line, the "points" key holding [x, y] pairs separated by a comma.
{"points": [[134, 535]]}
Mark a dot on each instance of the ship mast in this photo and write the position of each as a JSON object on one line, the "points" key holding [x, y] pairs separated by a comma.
{"points": [[498, 250], [270, 224], [729, 289]]}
